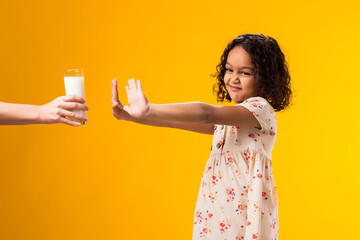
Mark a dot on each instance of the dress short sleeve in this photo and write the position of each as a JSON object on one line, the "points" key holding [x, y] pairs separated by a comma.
{"points": [[262, 111]]}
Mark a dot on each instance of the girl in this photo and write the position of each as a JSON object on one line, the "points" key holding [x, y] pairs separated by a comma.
{"points": [[237, 198]]}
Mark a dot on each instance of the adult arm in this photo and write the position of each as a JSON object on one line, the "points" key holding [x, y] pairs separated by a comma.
{"points": [[55, 111]]}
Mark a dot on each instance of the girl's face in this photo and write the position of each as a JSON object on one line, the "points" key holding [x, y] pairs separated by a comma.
{"points": [[239, 78]]}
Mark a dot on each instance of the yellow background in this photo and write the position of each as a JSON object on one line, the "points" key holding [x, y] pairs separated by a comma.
{"points": [[120, 180]]}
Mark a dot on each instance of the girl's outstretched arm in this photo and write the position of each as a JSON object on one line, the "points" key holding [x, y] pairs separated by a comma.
{"points": [[121, 114], [195, 112]]}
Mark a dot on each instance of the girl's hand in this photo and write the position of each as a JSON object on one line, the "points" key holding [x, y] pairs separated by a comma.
{"points": [[139, 105], [118, 108], [56, 110]]}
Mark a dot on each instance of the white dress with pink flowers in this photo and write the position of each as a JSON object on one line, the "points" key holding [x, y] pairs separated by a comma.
{"points": [[237, 198]]}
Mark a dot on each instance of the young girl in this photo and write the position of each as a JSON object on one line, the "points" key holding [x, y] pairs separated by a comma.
{"points": [[237, 198]]}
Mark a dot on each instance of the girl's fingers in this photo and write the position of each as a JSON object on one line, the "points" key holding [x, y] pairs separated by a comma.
{"points": [[115, 105], [115, 96], [130, 86], [127, 109], [127, 91], [139, 85], [133, 85]]}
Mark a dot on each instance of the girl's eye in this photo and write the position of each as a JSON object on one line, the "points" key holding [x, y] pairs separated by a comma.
{"points": [[245, 73], [228, 70]]}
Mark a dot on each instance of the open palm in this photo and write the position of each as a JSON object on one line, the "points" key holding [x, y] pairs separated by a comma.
{"points": [[138, 104]]}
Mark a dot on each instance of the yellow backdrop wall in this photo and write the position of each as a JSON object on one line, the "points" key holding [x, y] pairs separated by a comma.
{"points": [[120, 180]]}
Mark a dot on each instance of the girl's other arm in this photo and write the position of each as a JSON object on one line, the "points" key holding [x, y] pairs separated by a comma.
{"points": [[121, 114]]}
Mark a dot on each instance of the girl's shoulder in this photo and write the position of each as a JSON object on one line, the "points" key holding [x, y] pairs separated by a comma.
{"points": [[257, 104], [256, 99]]}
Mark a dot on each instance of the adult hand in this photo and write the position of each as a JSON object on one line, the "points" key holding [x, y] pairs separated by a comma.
{"points": [[57, 110], [117, 107], [139, 106]]}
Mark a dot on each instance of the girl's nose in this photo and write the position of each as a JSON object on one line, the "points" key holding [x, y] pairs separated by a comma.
{"points": [[236, 79]]}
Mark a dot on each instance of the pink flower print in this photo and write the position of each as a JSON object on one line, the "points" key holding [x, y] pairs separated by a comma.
{"points": [[263, 194], [210, 215], [204, 232], [224, 226], [251, 135], [233, 129], [256, 207], [259, 175], [272, 225], [240, 209], [272, 133], [254, 236], [230, 193], [247, 156], [220, 175], [215, 180], [229, 161], [247, 188], [212, 197], [248, 223], [198, 217], [254, 104]]}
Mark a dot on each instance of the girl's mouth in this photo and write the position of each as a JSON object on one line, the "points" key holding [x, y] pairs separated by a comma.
{"points": [[234, 89]]}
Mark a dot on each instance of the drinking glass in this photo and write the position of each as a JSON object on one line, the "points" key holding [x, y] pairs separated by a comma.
{"points": [[74, 84]]}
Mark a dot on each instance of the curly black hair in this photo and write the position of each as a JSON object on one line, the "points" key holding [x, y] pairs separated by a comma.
{"points": [[270, 66]]}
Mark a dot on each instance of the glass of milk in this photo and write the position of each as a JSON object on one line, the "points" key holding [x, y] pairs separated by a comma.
{"points": [[74, 84]]}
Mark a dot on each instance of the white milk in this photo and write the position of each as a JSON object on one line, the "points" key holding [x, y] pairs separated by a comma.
{"points": [[75, 85]]}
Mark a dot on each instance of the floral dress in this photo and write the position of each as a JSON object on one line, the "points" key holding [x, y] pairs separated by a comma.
{"points": [[237, 198]]}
